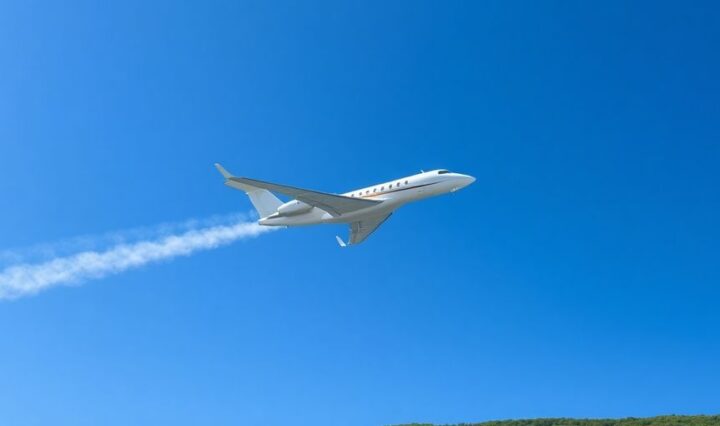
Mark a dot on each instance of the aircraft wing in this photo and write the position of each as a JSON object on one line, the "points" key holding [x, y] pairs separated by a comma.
{"points": [[336, 205], [359, 231]]}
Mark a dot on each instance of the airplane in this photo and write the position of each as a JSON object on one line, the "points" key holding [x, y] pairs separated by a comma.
{"points": [[363, 209]]}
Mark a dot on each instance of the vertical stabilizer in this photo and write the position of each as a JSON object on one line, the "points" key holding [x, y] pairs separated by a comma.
{"points": [[263, 200]]}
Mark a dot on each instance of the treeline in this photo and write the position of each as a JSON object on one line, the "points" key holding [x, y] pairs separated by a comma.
{"points": [[630, 421]]}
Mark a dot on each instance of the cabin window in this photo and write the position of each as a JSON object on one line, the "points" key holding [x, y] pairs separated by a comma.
{"points": [[406, 182], [374, 189], [390, 187], [382, 188]]}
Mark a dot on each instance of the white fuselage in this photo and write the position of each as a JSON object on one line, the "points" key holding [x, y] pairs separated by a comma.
{"points": [[392, 194]]}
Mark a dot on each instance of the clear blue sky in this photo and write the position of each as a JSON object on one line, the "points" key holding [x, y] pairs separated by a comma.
{"points": [[579, 276]]}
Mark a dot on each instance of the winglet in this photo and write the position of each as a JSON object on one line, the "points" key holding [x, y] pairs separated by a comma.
{"points": [[222, 171], [340, 241]]}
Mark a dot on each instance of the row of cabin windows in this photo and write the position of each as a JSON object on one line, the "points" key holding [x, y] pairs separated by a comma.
{"points": [[382, 188]]}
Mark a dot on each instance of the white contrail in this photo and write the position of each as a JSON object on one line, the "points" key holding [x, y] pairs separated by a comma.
{"points": [[27, 279]]}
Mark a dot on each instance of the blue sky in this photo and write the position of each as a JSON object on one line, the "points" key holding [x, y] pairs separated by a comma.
{"points": [[577, 277]]}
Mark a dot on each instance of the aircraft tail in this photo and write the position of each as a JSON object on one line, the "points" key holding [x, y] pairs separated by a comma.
{"points": [[263, 200]]}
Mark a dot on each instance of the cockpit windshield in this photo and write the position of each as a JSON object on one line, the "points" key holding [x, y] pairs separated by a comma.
{"points": [[442, 172]]}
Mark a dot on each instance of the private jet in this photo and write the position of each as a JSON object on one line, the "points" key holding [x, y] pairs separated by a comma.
{"points": [[363, 209]]}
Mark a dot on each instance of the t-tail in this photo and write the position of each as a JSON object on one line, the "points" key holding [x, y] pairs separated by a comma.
{"points": [[263, 200]]}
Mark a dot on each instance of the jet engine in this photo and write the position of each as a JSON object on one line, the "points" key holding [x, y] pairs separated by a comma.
{"points": [[293, 207]]}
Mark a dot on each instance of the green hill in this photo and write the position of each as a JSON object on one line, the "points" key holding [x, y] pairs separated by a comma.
{"points": [[630, 421]]}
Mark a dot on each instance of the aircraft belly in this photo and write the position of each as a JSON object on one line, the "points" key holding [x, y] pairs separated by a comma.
{"points": [[380, 209]]}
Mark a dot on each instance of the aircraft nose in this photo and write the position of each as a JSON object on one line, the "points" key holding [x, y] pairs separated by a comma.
{"points": [[467, 180], [462, 181]]}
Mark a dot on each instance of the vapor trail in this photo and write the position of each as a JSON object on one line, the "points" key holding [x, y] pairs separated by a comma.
{"points": [[30, 278]]}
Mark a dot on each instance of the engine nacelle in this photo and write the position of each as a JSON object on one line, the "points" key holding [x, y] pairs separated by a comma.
{"points": [[293, 207]]}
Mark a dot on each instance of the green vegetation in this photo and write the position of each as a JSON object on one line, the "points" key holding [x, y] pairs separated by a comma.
{"points": [[631, 421]]}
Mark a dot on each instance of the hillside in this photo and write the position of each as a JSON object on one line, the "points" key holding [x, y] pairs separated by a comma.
{"points": [[631, 421]]}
